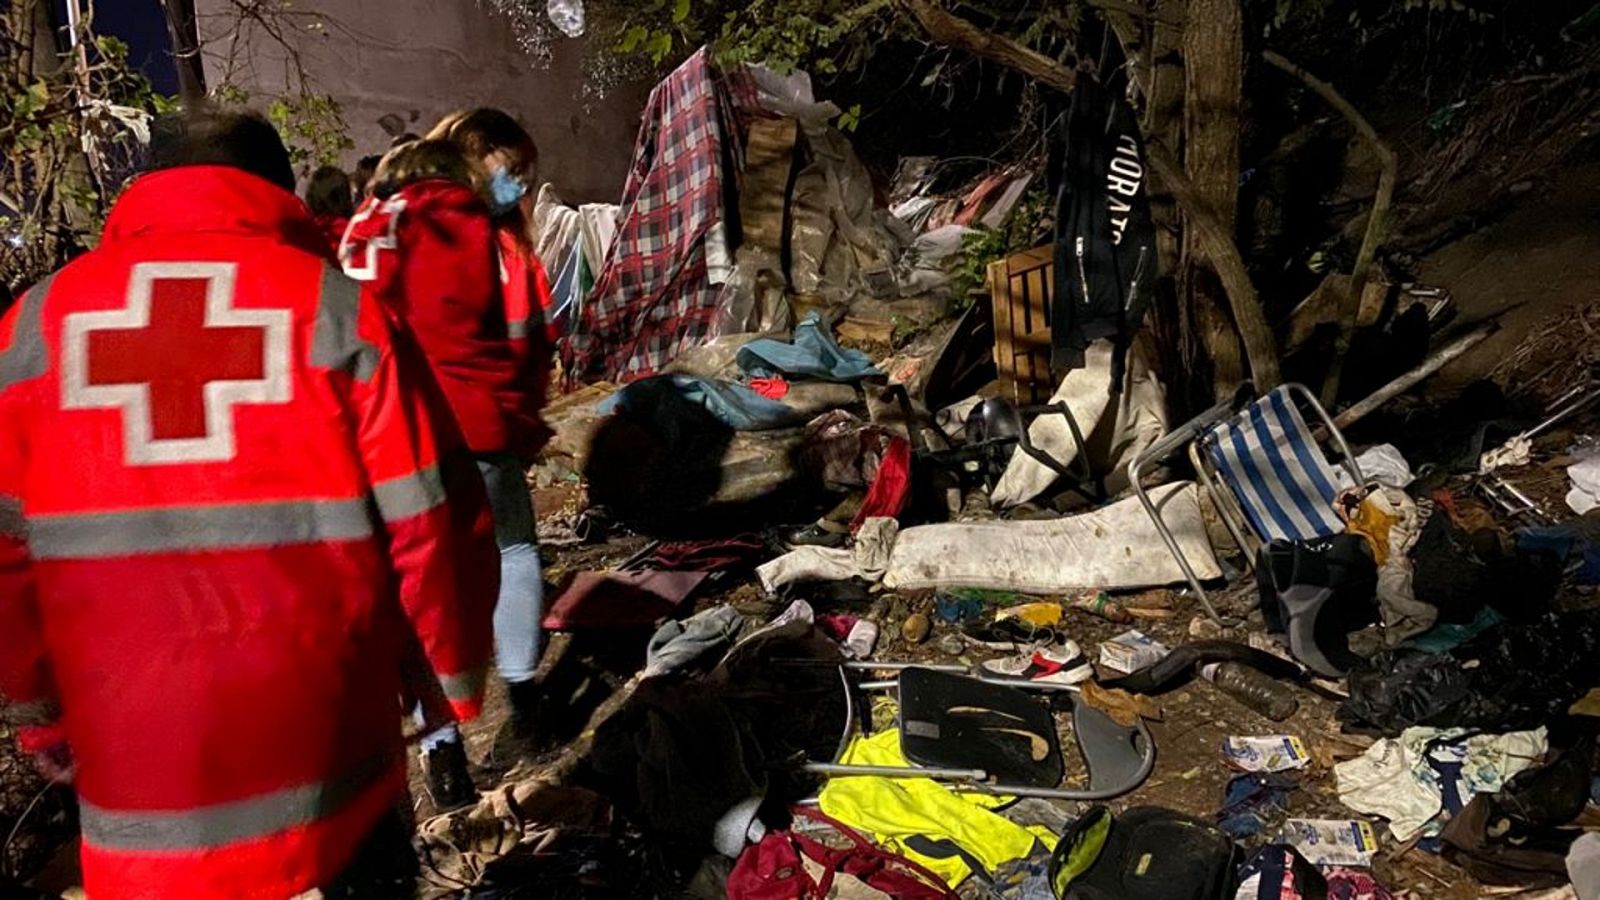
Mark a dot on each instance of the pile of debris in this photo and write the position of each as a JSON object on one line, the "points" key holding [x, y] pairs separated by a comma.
{"points": [[857, 605]]}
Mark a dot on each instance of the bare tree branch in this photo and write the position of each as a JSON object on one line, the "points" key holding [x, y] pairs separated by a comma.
{"points": [[1377, 221], [952, 30]]}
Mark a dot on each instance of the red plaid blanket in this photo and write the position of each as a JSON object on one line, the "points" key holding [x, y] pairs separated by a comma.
{"points": [[653, 298]]}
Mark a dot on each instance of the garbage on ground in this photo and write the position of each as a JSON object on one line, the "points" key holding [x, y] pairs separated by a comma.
{"points": [[772, 367], [1131, 651], [1331, 842], [1265, 753], [1124, 708], [1255, 690], [1410, 779], [1279, 871], [1253, 800]]}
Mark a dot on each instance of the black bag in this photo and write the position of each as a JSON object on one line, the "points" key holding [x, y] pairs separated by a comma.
{"points": [[1147, 853], [1317, 592]]}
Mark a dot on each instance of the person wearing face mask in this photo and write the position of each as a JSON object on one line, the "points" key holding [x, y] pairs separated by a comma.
{"points": [[509, 162]]}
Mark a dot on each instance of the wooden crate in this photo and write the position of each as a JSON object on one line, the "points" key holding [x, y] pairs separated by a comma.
{"points": [[1021, 287]]}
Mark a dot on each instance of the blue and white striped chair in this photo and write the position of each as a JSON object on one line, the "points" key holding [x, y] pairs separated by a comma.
{"points": [[1262, 466]]}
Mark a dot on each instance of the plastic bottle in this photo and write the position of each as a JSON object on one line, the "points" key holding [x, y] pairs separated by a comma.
{"points": [[1261, 693], [567, 15]]}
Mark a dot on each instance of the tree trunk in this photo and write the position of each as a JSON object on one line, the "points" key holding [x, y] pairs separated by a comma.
{"points": [[185, 37], [1213, 54]]}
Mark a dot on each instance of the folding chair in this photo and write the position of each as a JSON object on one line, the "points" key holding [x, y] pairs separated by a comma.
{"points": [[1280, 485], [984, 733]]}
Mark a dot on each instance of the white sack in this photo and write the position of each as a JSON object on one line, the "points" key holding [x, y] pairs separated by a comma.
{"points": [[1113, 547]]}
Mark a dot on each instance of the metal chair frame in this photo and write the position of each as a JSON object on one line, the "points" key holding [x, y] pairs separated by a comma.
{"points": [[1194, 434]]}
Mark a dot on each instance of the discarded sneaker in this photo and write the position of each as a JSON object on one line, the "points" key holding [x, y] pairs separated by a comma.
{"points": [[815, 535], [449, 784], [1007, 634], [1061, 665]]}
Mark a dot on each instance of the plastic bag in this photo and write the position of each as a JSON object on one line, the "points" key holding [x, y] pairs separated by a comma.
{"points": [[567, 15]]}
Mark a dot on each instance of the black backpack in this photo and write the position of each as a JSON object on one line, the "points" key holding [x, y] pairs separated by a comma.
{"points": [[1147, 853]]}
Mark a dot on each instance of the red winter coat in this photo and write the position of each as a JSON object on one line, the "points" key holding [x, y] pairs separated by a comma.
{"points": [[333, 227], [526, 287], [429, 254], [229, 506]]}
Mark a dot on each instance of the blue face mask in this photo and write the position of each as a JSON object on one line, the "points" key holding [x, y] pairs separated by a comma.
{"points": [[505, 190]]}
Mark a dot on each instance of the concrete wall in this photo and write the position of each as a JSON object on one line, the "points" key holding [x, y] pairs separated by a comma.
{"points": [[424, 58]]}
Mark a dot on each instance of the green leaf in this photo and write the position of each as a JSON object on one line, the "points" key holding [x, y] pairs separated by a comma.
{"points": [[659, 46], [850, 119], [680, 12], [632, 38]]}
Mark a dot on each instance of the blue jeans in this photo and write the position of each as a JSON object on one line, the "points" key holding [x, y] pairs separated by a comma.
{"points": [[519, 612]]}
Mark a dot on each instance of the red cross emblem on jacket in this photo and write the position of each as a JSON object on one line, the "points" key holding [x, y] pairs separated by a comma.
{"points": [[176, 407]]}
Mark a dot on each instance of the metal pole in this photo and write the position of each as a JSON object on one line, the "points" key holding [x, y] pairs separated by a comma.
{"points": [[1443, 357], [965, 775]]}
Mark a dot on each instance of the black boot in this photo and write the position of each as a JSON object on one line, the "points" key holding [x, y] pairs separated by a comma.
{"points": [[518, 738], [449, 784]]}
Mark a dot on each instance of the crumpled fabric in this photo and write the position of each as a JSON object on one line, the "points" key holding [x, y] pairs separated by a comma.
{"points": [[1379, 464], [904, 812], [676, 644], [1251, 799], [735, 405], [868, 559], [812, 353], [1515, 452], [1115, 426], [842, 451], [1391, 522], [1585, 493], [1394, 778]]}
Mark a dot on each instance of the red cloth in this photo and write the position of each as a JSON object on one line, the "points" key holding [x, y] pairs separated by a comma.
{"points": [[890, 490], [653, 298], [228, 500], [333, 227], [429, 254], [771, 388], [774, 868]]}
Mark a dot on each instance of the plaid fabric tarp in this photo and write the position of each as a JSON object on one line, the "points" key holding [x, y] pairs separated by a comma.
{"points": [[653, 298], [1267, 456]]}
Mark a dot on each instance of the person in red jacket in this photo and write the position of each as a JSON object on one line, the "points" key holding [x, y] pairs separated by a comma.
{"points": [[504, 156], [509, 158], [232, 509], [329, 197], [425, 246]]}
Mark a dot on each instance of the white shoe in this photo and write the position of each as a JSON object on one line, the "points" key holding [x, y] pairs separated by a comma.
{"points": [[1062, 665]]}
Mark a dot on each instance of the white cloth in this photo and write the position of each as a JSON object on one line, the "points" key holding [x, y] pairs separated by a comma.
{"points": [[1585, 493], [597, 223], [1114, 434], [1116, 546], [1515, 452], [1583, 866], [1393, 778], [868, 559], [555, 228], [1382, 463]]}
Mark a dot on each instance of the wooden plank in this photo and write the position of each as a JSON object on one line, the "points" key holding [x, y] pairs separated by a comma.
{"points": [[1000, 294], [1039, 384]]}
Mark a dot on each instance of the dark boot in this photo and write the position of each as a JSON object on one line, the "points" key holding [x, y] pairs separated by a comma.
{"points": [[518, 737], [449, 784]]}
